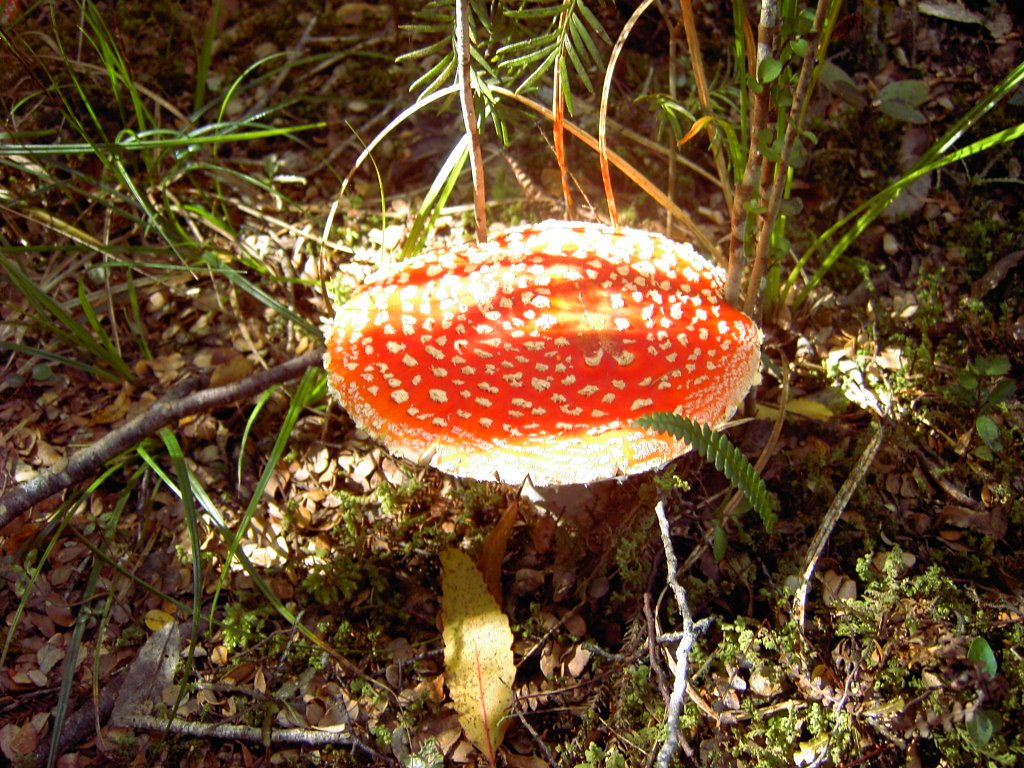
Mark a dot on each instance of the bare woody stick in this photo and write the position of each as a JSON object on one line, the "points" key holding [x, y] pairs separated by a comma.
{"points": [[174, 405], [303, 737], [686, 637]]}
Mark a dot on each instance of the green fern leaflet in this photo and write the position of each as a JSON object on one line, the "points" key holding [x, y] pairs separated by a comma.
{"points": [[716, 448]]}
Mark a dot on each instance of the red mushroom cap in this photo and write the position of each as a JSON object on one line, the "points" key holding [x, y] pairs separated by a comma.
{"points": [[533, 354]]}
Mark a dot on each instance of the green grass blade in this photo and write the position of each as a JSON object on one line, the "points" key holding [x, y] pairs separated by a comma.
{"points": [[53, 357], [436, 197], [69, 671], [311, 387], [250, 288], [937, 156], [261, 401], [61, 324], [861, 217], [205, 56], [52, 533]]}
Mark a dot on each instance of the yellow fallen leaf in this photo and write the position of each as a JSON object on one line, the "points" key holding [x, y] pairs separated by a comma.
{"points": [[231, 371], [118, 409], [800, 406], [156, 618], [479, 667]]}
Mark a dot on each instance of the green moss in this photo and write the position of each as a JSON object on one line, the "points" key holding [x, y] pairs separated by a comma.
{"points": [[597, 757], [241, 626], [339, 578], [476, 497], [631, 559]]}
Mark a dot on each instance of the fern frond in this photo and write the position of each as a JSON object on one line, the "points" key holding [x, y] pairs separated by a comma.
{"points": [[543, 12], [435, 77], [717, 449], [436, 22], [439, 46], [571, 36], [523, 52]]}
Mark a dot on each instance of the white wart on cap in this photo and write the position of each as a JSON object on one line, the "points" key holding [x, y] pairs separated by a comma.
{"points": [[534, 353]]}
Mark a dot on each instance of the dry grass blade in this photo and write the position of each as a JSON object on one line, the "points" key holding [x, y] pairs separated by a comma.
{"points": [[688, 225], [602, 123]]}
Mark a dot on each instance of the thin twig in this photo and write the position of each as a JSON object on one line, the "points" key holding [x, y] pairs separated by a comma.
{"points": [[544, 748], [687, 637], [174, 405], [83, 722], [291, 57], [476, 160], [652, 645], [835, 511]]}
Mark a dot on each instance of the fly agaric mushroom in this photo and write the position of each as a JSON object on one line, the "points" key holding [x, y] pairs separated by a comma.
{"points": [[532, 355]]}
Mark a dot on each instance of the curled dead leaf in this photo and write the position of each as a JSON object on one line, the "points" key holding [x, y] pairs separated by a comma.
{"points": [[989, 522]]}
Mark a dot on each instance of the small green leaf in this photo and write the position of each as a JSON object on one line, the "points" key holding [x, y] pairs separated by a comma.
{"points": [[981, 652], [42, 372], [992, 366], [800, 47], [769, 70], [910, 92], [719, 542], [805, 21], [798, 154], [967, 381], [981, 726], [768, 144], [1001, 392], [792, 206], [903, 112], [984, 453], [842, 85], [987, 431], [900, 99]]}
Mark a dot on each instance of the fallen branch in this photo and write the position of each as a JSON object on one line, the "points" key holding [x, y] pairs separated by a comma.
{"points": [[174, 405], [303, 737]]}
